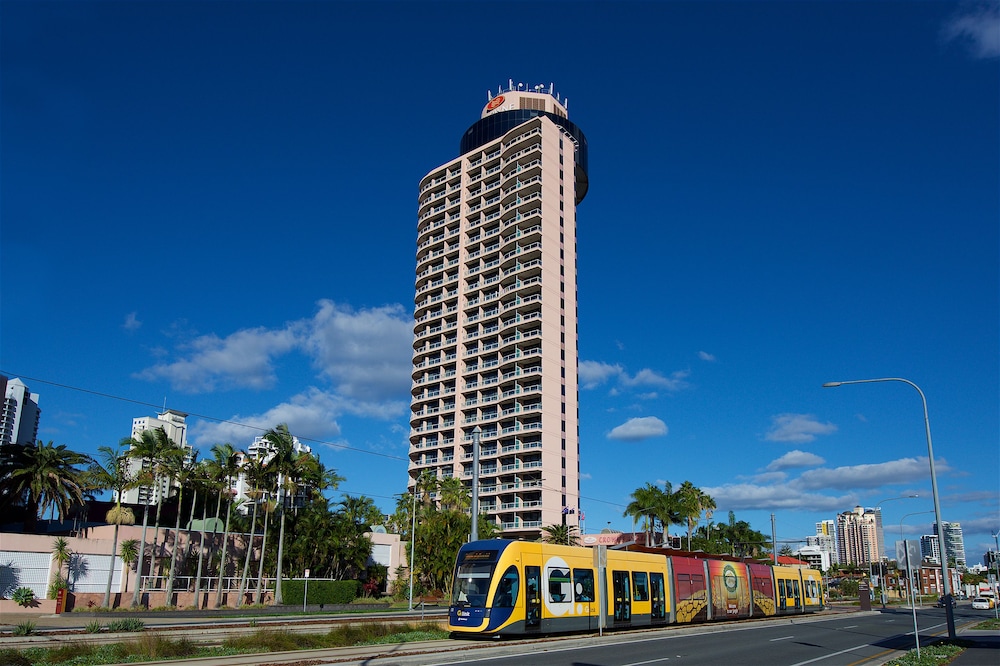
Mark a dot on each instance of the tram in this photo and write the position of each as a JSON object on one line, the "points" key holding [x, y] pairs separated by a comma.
{"points": [[504, 587]]}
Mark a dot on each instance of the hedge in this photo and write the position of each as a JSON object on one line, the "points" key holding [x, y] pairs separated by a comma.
{"points": [[320, 591]]}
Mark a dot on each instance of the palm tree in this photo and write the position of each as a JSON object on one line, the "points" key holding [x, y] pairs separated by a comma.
{"points": [[44, 476], [153, 448], [181, 468], [653, 504], [130, 554], [112, 472], [62, 554], [691, 501], [225, 465], [565, 535], [255, 474], [286, 466]]}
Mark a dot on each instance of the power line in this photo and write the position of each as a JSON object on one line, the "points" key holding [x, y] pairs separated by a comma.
{"points": [[205, 417]]}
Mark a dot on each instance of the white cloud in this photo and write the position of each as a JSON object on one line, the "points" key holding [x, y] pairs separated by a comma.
{"points": [[797, 428], [241, 360], [705, 356], [647, 377], [367, 353], [132, 322], [977, 27], [731, 497], [904, 470], [595, 373], [311, 414], [638, 429], [794, 459]]}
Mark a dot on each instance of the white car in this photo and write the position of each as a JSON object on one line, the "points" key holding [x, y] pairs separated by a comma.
{"points": [[982, 603]]}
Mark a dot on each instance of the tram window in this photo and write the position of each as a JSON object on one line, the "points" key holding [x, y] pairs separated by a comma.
{"points": [[795, 586], [583, 583], [507, 589], [559, 585], [640, 586], [781, 587]]}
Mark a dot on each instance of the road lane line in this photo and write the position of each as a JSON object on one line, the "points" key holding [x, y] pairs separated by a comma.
{"points": [[783, 638], [832, 654]]}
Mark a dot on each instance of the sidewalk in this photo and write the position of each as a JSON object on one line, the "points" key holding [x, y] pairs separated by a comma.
{"points": [[985, 652]]}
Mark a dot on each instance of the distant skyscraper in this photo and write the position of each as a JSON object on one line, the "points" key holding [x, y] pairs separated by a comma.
{"points": [[262, 450], [954, 542], [929, 548], [857, 537], [175, 426], [495, 331], [825, 540], [20, 414]]}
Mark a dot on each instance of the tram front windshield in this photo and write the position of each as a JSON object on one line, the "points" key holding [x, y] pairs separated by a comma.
{"points": [[472, 584]]}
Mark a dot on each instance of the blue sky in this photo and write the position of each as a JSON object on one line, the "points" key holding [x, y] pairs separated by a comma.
{"points": [[212, 206]]}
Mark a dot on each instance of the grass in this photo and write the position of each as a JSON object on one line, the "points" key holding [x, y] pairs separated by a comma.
{"points": [[932, 655], [153, 647], [992, 623]]}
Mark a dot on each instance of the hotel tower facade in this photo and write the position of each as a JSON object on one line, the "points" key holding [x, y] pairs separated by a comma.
{"points": [[495, 330]]}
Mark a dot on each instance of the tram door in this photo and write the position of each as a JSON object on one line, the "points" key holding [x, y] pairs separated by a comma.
{"points": [[658, 596], [533, 598], [622, 595]]}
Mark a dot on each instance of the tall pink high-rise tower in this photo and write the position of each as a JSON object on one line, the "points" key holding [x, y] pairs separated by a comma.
{"points": [[495, 331]]}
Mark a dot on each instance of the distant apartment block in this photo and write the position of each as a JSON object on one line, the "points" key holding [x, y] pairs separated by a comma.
{"points": [[175, 426], [20, 414], [954, 542], [930, 549], [495, 308], [824, 542], [262, 451], [857, 536]]}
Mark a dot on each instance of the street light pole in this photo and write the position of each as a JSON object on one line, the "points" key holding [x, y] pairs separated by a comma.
{"points": [[946, 581], [878, 508], [909, 579], [413, 534], [476, 433]]}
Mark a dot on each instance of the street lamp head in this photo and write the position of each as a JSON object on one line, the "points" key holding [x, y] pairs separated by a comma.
{"points": [[831, 384]]}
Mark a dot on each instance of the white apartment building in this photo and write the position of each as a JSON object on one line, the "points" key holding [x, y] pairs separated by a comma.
{"points": [[825, 541], [20, 413], [261, 450], [174, 424], [954, 541], [495, 330]]}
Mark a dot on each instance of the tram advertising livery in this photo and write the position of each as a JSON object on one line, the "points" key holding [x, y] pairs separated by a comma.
{"points": [[521, 588]]}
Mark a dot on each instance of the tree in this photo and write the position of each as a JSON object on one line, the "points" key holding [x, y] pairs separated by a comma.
{"points": [[44, 477], [183, 470], [565, 535], [130, 555], [691, 501], [256, 476], [652, 504], [112, 472], [62, 554], [224, 466], [287, 466], [153, 449]]}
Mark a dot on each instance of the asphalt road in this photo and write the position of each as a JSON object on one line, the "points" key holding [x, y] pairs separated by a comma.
{"points": [[842, 640]]}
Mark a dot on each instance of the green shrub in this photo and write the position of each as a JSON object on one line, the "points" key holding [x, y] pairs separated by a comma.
{"points": [[24, 629], [10, 657], [94, 627], [126, 624], [327, 592], [58, 583], [24, 596], [154, 646]]}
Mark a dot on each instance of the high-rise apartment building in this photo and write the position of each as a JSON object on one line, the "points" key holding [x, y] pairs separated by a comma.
{"points": [[19, 415], [174, 424], [495, 331], [825, 541], [929, 548], [857, 536], [954, 542], [262, 450]]}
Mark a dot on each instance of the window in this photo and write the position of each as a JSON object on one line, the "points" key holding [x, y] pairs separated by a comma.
{"points": [[507, 589], [559, 585], [583, 584], [640, 586]]}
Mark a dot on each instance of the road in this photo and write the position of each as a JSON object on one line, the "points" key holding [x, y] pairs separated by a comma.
{"points": [[842, 640]]}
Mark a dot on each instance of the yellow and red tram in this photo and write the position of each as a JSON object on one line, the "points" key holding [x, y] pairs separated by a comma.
{"points": [[504, 587]]}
